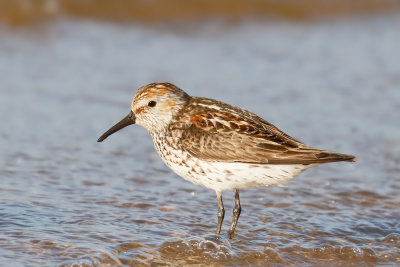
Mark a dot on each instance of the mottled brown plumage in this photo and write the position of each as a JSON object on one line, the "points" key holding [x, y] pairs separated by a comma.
{"points": [[230, 134], [217, 145]]}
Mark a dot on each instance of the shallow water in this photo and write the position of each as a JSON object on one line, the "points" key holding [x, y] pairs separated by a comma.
{"points": [[67, 200]]}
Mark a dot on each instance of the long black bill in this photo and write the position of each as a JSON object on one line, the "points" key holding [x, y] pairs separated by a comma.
{"points": [[128, 120]]}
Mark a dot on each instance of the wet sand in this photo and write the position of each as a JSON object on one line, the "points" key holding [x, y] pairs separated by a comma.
{"points": [[69, 201]]}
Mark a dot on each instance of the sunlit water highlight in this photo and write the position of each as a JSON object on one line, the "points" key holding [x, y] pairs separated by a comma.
{"points": [[67, 200]]}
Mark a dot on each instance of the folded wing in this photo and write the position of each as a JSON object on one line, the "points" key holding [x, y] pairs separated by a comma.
{"points": [[229, 134]]}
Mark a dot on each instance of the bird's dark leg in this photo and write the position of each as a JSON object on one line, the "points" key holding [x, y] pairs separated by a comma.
{"points": [[236, 213], [221, 212]]}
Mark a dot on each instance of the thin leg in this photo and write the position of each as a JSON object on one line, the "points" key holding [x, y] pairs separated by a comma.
{"points": [[236, 213], [221, 212]]}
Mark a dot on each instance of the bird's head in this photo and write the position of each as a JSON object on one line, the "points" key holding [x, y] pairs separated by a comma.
{"points": [[153, 107]]}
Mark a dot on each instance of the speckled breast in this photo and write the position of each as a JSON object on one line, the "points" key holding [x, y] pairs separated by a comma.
{"points": [[181, 162]]}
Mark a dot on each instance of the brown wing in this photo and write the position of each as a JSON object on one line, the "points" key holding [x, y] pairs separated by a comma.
{"points": [[215, 131]]}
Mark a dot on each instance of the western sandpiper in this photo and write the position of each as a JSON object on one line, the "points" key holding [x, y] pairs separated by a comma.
{"points": [[219, 146]]}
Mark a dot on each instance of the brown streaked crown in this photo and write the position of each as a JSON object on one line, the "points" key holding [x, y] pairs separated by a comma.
{"points": [[167, 99]]}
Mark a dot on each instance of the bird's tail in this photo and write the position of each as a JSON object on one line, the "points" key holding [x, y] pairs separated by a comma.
{"points": [[328, 156]]}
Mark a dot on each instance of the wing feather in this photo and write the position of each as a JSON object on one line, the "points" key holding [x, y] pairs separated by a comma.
{"points": [[219, 132]]}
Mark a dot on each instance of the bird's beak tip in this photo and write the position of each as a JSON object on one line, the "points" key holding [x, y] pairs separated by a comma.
{"points": [[128, 120]]}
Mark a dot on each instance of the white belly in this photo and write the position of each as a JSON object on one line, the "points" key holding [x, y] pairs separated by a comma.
{"points": [[221, 176]]}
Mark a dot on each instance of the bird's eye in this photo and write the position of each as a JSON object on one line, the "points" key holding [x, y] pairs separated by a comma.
{"points": [[152, 104]]}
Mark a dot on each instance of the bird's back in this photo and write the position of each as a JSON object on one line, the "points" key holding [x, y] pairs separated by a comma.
{"points": [[215, 131]]}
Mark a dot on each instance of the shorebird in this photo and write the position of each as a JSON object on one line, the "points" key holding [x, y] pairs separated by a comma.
{"points": [[219, 146]]}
